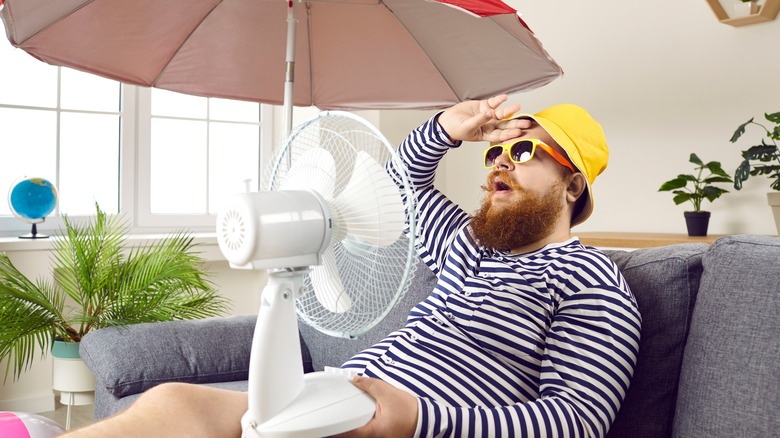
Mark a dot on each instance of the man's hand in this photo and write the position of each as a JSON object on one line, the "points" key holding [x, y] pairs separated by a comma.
{"points": [[481, 120], [396, 411]]}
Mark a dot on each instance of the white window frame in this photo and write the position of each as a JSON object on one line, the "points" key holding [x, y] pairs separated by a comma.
{"points": [[11, 226], [134, 173], [143, 218]]}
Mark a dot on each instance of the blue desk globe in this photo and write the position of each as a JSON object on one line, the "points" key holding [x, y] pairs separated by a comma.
{"points": [[31, 200]]}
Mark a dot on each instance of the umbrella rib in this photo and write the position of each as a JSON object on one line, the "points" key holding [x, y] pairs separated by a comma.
{"points": [[19, 44], [175, 52], [311, 62], [411, 34]]}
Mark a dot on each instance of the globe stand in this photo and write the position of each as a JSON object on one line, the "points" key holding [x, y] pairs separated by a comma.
{"points": [[34, 234]]}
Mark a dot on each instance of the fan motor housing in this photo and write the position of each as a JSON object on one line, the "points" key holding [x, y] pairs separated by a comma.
{"points": [[275, 229]]}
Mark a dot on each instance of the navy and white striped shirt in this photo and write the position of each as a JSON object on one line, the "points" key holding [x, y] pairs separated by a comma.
{"points": [[537, 344]]}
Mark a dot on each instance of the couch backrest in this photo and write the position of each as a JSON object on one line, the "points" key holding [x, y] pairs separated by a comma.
{"points": [[730, 378], [664, 281]]}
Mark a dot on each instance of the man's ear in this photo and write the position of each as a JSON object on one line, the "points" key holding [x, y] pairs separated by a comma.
{"points": [[577, 185]]}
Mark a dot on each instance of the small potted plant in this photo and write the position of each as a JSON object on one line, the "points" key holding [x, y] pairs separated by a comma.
{"points": [[701, 188], [762, 159], [99, 282]]}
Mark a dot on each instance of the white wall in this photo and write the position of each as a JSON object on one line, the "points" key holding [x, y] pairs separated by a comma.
{"points": [[665, 79]]}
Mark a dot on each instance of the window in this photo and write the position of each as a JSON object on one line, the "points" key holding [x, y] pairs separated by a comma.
{"points": [[164, 159], [62, 125], [200, 149]]}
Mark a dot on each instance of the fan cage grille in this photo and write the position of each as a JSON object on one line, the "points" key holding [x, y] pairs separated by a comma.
{"points": [[375, 278]]}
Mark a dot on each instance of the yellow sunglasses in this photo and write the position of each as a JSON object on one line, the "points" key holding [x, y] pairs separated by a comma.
{"points": [[522, 151]]}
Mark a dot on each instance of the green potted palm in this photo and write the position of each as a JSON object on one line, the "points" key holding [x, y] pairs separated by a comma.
{"points": [[97, 281], [701, 188], [762, 159]]}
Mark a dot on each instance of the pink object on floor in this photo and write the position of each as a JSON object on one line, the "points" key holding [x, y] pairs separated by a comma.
{"points": [[24, 425]]}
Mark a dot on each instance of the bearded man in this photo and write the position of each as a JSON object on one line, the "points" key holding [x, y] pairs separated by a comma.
{"points": [[527, 332]]}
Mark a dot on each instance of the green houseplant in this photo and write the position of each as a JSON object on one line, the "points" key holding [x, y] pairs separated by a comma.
{"points": [[105, 284], [762, 159], [701, 188]]}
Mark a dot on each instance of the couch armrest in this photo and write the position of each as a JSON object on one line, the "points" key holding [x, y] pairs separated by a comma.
{"points": [[131, 359]]}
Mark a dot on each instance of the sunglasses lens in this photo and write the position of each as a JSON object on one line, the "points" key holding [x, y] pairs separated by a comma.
{"points": [[522, 151], [492, 154]]}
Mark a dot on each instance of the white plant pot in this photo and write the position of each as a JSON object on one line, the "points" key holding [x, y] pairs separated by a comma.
{"points": [[743, 9], [71, 376], [773, 199]]}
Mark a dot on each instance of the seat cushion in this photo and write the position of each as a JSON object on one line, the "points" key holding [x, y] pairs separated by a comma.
{"points": [[664, 281], [730, 379]]}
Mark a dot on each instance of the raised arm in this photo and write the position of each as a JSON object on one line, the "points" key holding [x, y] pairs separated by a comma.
{"points": [[420, 153]]}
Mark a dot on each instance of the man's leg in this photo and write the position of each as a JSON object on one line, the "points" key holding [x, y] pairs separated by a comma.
{"points": [[175, 409]]}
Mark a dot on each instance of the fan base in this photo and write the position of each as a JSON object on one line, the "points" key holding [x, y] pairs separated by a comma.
{"points": [[328, 404]]}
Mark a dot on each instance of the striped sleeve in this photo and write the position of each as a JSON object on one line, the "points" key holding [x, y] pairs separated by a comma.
{"points": [[420, 153]]}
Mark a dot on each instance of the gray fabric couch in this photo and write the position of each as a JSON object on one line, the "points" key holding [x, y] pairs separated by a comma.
{"points": [[709, 361]]}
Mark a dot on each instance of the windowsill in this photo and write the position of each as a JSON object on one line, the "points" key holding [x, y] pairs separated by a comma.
{"points": [[206, 244], [639, 240], [209, 249]]}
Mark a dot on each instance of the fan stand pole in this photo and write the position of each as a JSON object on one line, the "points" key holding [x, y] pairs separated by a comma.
{"points": [[283, 402]]}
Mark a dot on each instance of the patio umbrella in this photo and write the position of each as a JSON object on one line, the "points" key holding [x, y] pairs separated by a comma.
{"points": [[347, 54]]}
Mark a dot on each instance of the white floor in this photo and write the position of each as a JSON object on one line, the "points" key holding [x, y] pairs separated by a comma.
{"points": [[79, 416]]}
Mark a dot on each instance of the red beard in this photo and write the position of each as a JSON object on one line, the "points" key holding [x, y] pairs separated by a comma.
{"points": [[526, 221]]}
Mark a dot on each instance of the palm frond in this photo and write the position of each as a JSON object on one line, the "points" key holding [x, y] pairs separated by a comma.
{"points": [[31, 316], [88, 257], [110, 285], [163, 281]]}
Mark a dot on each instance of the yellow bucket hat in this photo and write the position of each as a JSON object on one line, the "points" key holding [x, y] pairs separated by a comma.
{"points": [[583, 140]]}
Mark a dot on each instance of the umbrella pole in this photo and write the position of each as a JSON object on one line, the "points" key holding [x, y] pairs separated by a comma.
{"points": [[290, 73]]}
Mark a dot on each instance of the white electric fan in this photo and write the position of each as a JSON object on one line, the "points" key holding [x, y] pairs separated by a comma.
{"points": [[330, 232]]}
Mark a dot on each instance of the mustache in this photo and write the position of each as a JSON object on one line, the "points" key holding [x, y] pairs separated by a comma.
{"points": [[496, 176]]}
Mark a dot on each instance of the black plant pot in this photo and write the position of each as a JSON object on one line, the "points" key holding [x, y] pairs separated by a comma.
{"points": [[697, 222]]}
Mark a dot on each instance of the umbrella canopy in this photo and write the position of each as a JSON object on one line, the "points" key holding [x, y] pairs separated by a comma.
{"points": [[349, 54]]}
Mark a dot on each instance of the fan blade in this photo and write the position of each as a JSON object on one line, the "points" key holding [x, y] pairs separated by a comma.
{"points": [[370, 208], [327, 285], [313, 170]]}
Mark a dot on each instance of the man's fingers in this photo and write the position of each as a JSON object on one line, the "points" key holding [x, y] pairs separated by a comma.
{"points": [[367, 384], [495, 101], [506, 112]]}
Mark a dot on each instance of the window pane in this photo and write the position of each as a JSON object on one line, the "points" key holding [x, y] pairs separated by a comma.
{"points": [[28, 145], [234, 153], [234, 110], [168, 103], [29, 82], [89, 163], [178, 167], [83, 91]]}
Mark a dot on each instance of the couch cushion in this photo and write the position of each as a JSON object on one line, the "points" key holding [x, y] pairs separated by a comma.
{"points": [[730, 379], [104, 410], [664, 281], [131, 359]]}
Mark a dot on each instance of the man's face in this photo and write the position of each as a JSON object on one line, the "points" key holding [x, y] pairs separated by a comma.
{"points": [[522, 201], [536, 175]]}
